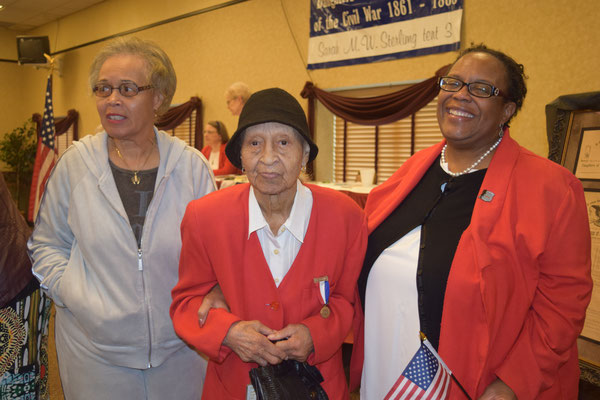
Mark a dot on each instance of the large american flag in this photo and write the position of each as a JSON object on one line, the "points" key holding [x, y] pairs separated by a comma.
{"points": [[46, 154], [425, 377]]}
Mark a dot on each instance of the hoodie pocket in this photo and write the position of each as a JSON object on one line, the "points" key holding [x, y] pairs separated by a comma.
{"points": [[110, 311]]}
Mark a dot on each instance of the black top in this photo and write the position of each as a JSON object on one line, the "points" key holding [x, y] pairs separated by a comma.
{"points": [[135, 198], [442, 205]]}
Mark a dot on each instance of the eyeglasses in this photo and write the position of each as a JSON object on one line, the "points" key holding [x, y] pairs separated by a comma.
{"points": [[477, 89], [127, 89]]}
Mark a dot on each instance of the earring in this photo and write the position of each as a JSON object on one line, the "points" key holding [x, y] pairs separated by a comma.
{"points": [[501, 133], [243, 170], [303, 169]]}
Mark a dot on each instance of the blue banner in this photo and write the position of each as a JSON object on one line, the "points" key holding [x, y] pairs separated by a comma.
{"points": [[347, 32]]}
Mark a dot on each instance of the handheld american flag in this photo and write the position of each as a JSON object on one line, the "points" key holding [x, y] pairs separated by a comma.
{"points": [[46, 154], [425, 377]]}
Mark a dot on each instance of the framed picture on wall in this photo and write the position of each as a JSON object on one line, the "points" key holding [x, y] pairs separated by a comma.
{"points": [[573, 129], [591, 329], [581, 153], [587, 165]]}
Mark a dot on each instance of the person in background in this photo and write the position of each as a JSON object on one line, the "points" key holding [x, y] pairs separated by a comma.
{"points": [[285, 242], [481, 245], [24, 310], [236, 96], [215, 140], [106, 241]]}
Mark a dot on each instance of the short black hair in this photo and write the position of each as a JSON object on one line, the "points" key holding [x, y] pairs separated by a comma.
{"points": [[515, 73]]}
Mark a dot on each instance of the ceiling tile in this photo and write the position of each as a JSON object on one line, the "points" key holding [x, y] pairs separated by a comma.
{"points": [[34, 13]]}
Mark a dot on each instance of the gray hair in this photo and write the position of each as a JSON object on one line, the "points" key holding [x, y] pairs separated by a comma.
{"points": [[162, 74], [238, 89]]}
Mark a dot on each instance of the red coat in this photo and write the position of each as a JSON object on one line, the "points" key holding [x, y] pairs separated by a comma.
{"points": [[520, 280], [216, 248], [225, 166]]}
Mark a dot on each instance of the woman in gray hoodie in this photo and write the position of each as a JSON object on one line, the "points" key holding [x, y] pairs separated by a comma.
{"points": [[106, 241]]}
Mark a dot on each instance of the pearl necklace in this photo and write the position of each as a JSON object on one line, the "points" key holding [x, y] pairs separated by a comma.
{"points": [[472, 167]]}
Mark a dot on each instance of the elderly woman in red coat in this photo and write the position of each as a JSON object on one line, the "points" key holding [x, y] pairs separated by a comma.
{"points": [[271, 246]]}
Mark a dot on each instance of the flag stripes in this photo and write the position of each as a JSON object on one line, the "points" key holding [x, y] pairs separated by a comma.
{"points": [[46, 154], [425, 377]]}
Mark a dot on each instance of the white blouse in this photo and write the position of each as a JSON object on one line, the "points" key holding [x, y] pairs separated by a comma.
{"points": [[281, 250], [213, 159], [391, 316]]}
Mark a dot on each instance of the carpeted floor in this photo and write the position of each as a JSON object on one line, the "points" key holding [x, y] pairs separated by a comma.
{"points": [[587, 390]]}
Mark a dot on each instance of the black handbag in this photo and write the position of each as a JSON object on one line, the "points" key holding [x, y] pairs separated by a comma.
{"points": [[289, 380]]}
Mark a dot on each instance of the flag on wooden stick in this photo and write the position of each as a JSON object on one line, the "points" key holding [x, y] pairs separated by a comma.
{"points": [[46, 154]]}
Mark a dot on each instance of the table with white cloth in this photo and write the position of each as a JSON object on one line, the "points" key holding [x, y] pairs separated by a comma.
{"points": [[355, 190], [225, 181]]}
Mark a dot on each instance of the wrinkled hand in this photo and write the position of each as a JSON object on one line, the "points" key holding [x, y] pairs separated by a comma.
{"points": [[248, 339], [213, 299], [498, 390], [299, 343]]}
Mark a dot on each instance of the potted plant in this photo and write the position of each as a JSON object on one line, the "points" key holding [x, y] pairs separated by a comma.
{"points": [[17, 150]]}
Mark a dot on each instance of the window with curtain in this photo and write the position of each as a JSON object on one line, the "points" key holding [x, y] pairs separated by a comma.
{"points": [[186, 131], [66, 138], [184, 121], [65, 127], [383, 147]]}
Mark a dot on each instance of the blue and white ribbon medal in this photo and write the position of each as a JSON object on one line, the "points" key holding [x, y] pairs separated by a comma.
{"points": [[324, 292]]}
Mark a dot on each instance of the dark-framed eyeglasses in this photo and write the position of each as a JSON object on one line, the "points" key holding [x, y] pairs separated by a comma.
{"points": [[477, 89], [127, 89]]}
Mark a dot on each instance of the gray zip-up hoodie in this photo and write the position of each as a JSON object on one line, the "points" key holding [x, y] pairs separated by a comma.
{"points": [[86, 257]]}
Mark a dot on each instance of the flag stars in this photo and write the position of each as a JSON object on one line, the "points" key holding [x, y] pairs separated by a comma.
{"points": [[423, 377], [422, 369], [46, 152]]}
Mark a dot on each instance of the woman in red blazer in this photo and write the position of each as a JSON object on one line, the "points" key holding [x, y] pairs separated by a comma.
{"points": [[480, 244], [215, 138], [286, 256]]}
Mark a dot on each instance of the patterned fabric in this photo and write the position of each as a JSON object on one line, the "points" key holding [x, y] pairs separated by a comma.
{"points": [[12, 337], [24, 348]]}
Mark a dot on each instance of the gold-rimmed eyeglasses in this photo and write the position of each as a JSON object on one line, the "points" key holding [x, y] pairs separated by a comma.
{"points": [[127, 89]]}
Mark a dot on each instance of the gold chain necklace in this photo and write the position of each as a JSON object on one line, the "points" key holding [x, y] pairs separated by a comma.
{"points": [[135, 179]]}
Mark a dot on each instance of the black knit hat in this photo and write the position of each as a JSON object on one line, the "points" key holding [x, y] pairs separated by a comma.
{"points": [[269, 105]]}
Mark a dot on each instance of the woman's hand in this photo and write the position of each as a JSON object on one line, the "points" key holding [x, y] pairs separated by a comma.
{"points": [[213, 299], [299, 343], [498, 390], [248, 339]]}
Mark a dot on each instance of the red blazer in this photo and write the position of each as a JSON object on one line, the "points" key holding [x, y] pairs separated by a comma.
{"points": [[217, 249], [225, 166], [520, 280]]}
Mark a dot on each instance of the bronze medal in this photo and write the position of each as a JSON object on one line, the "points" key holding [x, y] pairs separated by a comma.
{"points": [[325, 311]]}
